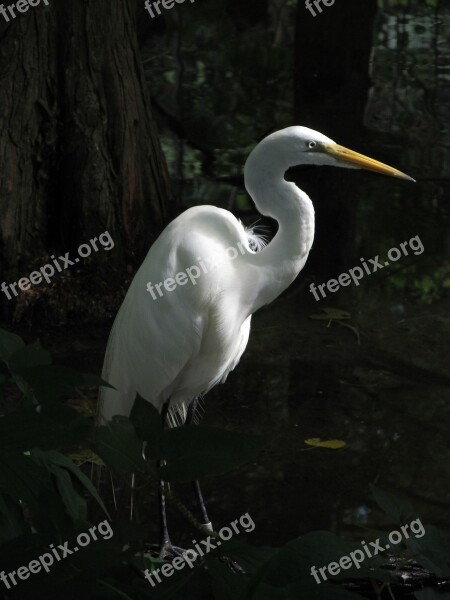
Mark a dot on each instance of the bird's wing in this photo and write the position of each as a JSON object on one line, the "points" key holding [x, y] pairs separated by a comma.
{"points": [[178, 339]]}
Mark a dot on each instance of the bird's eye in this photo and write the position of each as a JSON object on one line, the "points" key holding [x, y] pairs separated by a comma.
{"points": [[311, 144]]}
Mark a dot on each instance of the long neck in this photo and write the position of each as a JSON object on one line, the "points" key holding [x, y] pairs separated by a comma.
{"points": [[283, 259]]}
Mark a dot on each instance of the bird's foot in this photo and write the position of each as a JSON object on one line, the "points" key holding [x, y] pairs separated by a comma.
{"points": [[168, 551], [164, 551]]}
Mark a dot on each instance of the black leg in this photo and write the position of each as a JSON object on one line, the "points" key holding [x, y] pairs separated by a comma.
{"points": [[165, 545], [231, 564], [196, 485]]}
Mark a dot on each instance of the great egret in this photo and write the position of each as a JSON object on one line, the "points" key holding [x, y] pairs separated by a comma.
{"points": [[176, 336]]}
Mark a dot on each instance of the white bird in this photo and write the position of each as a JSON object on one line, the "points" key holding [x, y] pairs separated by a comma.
{"points": [[171, 344], [178, 345]]}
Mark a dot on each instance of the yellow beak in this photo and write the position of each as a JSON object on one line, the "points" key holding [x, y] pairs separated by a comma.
{"points": [[363, 162]]}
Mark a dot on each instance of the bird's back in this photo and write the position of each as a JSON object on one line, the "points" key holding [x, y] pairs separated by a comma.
{"points": [[177, 341]]}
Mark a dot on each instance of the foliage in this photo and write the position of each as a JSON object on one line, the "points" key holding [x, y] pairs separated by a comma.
{"points": [[43, 501], [404, 3], [222, 101]]}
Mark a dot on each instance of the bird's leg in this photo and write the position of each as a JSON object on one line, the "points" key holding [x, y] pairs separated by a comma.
{"points": [[202, 506], [196, 485], [231, 564], [165, 545]]}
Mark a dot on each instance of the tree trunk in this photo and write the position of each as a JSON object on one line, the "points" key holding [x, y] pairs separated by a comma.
{"points": [[78, 147]]}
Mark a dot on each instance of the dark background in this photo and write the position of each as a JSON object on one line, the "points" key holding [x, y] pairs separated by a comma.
{"points": [[111, 120]]}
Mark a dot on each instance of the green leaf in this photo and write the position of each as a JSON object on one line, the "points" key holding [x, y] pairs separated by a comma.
{"points": [[120, 448], [192, 452], [181, 584], [48, 383], [9, 344], [90, 380], [32, 371], [46, 426], [147, 423], [225, 584], [250, 558], [111, 592], [29, 356], [44, 384], [400, 511], [324, 591], [12, 522], [22, 479], [293, 564], [60, 460], [75, 505], [432, 551]]}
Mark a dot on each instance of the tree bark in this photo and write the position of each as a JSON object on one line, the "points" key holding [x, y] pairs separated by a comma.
{"points": [[78, 146]]}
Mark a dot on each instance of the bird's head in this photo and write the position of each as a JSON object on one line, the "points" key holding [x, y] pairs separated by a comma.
{"points": [[300, 145]]}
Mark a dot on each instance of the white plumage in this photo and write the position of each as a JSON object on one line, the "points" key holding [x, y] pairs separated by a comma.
{"points": [[182, 343], [188, 339]]}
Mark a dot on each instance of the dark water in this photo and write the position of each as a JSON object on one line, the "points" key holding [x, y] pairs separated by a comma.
{"points": [[377, 380]]}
